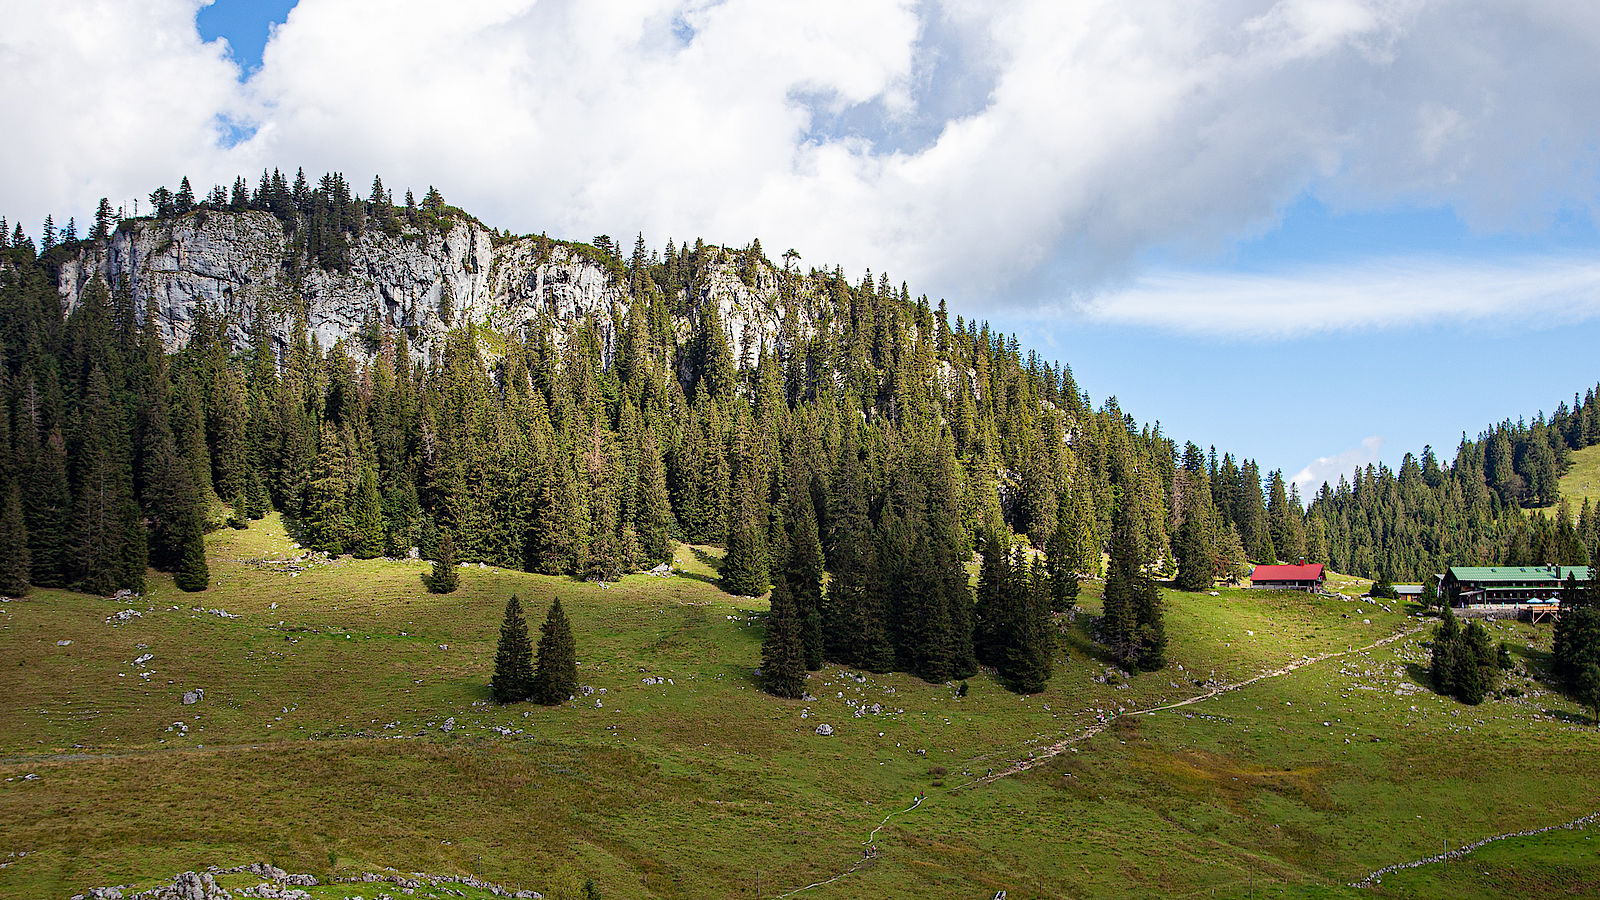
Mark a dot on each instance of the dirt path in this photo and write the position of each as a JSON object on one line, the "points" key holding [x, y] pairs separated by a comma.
{"points": [[1038, 758]]}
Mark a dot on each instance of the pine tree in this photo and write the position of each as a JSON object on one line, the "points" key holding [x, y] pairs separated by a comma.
{"points": [[513, 658], [783, 663], [15, 566], [445, 579], [555, 677], [803, 571], [367, 518]]}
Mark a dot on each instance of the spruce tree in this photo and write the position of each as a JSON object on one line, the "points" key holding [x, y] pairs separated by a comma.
{"points": [[47, 505], [1025, 660], [1061, 559], [802, 572], [367, 518], [1119, 622], [15, 566], [990, 614], [744, 566], [555, 676], [1443, 665], [653, 509], [513, 657], [783, 662], [445, 579], [192, 573]]}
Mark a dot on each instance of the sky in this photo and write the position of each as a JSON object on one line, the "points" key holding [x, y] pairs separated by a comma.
{"points": [[1317, 233]]}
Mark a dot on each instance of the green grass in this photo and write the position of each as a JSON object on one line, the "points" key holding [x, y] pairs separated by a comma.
{"points": [[319, 746], [1582, 479]]}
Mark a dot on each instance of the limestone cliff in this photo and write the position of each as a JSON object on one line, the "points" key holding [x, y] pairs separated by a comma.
{"points": [[236, 264]]}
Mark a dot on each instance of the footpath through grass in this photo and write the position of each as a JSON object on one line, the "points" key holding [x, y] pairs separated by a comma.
{"points": [[345, 726]]}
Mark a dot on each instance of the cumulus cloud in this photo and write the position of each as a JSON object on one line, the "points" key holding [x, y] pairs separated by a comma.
{"points": [[1356, 296], [1328, 469], [1038, 151]]}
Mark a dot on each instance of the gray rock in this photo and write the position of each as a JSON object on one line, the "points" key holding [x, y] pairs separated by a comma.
{"points": [[824, 729], [192, 697]]}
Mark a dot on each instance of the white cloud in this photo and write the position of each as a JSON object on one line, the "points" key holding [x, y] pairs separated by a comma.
{"points": [[1328, 469], [1354, 296], [1084, 134]]}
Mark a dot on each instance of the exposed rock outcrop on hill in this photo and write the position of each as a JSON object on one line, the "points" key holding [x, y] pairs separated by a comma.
{"points": [[240, 264]]}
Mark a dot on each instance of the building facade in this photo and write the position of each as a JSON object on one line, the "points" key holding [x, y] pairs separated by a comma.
{"points": [[1501, 585], [1309, 578]]}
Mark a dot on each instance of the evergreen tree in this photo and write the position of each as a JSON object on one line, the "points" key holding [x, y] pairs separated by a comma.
{"points": [[1062, 559], [1443, 664], [555, 676], [992, 612], [1587, 689], [192, 573], [367, 513], [47, 505], [1476, 665], [653, 509], [445, 579], [744, 566], [803, 571], [1026, 661], [513, 657], [783, 663], [15, 565]]}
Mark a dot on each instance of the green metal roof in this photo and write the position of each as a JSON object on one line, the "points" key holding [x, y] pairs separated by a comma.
{"points": [[1483, 574]]}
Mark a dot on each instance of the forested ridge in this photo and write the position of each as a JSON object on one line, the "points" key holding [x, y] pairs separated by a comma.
{"points": [[875, 440]]}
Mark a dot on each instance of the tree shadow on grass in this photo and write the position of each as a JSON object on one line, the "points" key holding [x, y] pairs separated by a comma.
{"points": [[1079, 637], [714, 563], [1419, 675]]}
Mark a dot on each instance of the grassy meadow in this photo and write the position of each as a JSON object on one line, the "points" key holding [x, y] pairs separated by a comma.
{"points": [[345, 727]]}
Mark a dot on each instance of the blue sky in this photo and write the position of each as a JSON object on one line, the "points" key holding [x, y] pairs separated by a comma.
{"points": [[1312, 232]]}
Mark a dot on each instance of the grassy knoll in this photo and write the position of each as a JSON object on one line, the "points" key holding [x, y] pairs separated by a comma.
{"points": [[320, 746]]}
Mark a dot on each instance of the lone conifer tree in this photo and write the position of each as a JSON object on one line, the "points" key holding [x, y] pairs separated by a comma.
{"points": [[555, 678], [783, 662], [14, 563], [193, 574], [445, 579], [513, 659]]}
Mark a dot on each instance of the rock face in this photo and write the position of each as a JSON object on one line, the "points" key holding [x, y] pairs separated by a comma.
{"points": [[238, 265]]}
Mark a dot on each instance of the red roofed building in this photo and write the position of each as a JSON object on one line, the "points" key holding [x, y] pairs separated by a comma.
{"points": [[1308, 578]]}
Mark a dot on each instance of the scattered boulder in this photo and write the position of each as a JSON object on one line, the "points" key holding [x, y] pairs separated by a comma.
{"points": [[449, 725], [824, 729], [195, 696]]}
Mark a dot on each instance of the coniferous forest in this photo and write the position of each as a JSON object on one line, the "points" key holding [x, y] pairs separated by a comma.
{"points": [[881, 448]]}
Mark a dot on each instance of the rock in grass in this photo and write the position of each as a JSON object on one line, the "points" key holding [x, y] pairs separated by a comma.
{"points": [[824, 729]]}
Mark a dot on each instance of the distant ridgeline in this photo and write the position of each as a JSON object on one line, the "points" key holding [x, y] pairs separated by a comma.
{"points": [[388, 373]]}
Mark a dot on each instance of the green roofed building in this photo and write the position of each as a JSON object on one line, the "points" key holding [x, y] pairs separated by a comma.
{"points": [[1499, 585]]}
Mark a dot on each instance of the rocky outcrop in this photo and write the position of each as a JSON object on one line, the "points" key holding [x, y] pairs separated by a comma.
{"points": [[238, 265]]}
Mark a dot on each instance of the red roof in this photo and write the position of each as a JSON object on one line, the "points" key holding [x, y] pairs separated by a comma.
{"points": [[1311, 572]]}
